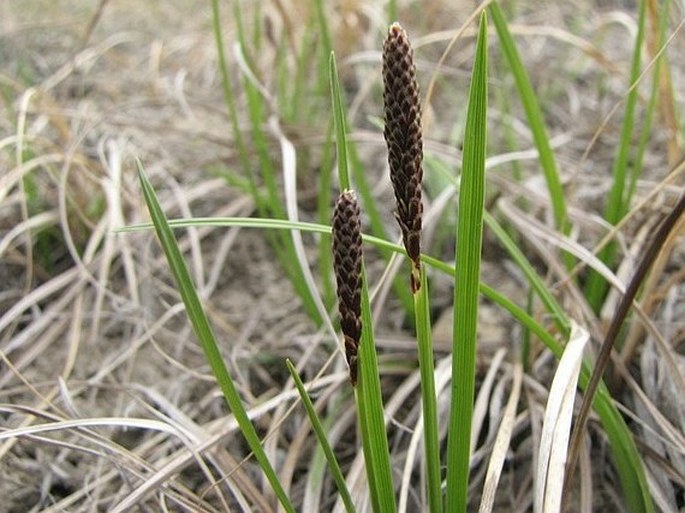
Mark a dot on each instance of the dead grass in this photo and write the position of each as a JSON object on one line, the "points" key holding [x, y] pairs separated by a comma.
{"points": [[101, 379]]}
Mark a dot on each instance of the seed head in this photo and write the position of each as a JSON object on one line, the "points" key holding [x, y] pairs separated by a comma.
{"points": [[403, 136], [347, 265]]}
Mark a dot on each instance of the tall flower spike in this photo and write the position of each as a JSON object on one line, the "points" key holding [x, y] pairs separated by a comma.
{"points": [[347, 265], [403, 137]]}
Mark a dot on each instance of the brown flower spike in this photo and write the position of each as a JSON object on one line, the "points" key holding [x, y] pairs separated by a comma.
{"points": [[347, 265], [403, 137]]}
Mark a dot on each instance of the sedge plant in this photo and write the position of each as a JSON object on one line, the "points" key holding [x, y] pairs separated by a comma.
{"points": [[403, 136]]}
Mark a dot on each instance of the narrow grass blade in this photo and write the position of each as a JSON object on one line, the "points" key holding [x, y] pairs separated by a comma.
{"points": [[256, 107], [657, 83], [323, 441], [549, 480], [339, 121], [616, 205], [428, 396], [205, 335], [299, 105], [323, 209], [536, 282], [466, 277], [623, 447], [501, 445], [323, 54], [629, 464], [228, 92], [535, 119], [249, 183], [650, 251], [371, 417], [324, 34]]}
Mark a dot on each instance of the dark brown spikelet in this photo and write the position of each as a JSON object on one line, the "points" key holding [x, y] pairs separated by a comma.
{"points": [[347, 264], [403, 137]]}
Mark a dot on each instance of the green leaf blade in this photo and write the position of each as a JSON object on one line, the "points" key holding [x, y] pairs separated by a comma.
{"points": [[205, 335], [535, 118], [339, 119], [371, 416], [318, 428], [617, 206], [467, 272], [428, 395]]}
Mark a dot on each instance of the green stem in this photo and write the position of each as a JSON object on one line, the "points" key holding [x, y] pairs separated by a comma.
{"points": [[428, 395]]}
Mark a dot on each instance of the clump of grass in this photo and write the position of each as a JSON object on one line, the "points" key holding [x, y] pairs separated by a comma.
{"points": [[403, 135]]}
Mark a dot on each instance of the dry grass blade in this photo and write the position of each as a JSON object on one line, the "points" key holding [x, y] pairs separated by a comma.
{"points": [[557, 425], [532, 228], [442, 380], [96, 357], [501, 446], [127, 422], [481, 405], [289, 157]]}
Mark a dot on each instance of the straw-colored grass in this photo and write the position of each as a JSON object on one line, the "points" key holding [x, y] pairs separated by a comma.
{"points": [[127, 383]]}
